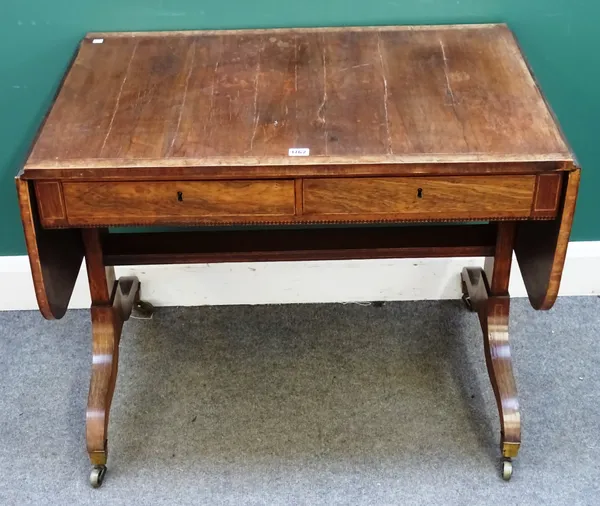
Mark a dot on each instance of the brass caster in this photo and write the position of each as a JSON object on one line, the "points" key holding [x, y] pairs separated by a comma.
{"points": [[142, 310], [97, 476], [507, 470]]}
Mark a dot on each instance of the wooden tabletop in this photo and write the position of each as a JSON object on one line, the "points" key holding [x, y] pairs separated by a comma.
{"points": [[376, 95]]}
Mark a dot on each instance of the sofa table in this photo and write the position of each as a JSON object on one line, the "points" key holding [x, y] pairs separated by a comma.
{"points": [[297, 144]]}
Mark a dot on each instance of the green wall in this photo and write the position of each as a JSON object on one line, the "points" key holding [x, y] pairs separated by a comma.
{"points": [[38, 37]]}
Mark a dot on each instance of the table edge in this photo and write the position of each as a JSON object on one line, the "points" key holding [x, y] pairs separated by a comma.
{"points": [[306, 29]]}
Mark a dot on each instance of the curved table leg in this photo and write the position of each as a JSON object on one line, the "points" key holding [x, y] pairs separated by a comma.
{"points": [[112, 303], [107, 323], [106, 331], [493, 311]]}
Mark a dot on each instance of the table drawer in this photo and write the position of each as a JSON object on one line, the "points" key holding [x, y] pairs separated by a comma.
{"points": [[123, 203], [454, 197]]}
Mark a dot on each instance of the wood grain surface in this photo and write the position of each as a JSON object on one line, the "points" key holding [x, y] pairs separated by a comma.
{"points": [[488, 294], [177, 202], [112, 302], [459, 197], [244, 98], [311, 200], [541, 248], [54, 269]]}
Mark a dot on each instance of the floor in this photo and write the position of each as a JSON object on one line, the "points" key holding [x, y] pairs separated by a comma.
{"points": [[304, 404]]}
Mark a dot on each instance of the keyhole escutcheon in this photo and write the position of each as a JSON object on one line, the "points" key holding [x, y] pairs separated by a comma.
{"points": [[419, 193], [180, 196]]}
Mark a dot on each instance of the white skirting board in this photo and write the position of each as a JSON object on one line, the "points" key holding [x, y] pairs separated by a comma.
{"points": [[296, 282]]}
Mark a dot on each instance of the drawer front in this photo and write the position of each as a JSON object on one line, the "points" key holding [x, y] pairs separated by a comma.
{"points": [[116, 203], [421, 198]]}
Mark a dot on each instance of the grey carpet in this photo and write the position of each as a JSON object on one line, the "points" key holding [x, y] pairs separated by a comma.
{"points": [[303, 404]]}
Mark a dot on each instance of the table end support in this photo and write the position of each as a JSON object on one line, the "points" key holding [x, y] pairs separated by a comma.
{"points": [[486, 290]]}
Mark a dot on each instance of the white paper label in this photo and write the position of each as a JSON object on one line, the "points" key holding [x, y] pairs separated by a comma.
{"points": [[97, 41], [299, 152]]}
